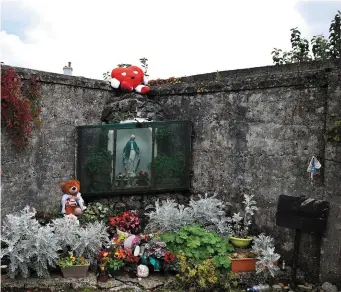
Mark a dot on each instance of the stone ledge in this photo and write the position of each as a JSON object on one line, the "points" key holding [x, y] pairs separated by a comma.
{"points": [[240, 79], [57, 283]]}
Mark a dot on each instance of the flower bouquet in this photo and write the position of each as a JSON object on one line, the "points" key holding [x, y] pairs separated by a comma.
{"points": [[155, 250], [142, 178], [122, 180], [74, 267], [126, 222], [108, 264]]}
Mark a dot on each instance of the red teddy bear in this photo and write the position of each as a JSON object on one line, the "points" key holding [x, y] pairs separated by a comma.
{"points": [[128, 79]]}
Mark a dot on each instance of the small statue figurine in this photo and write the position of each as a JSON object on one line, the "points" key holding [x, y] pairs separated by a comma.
{"points": [[131, 157], [142, 271], [72, 201]]}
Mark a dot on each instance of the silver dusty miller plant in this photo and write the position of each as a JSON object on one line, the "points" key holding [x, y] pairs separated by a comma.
{"points": [[263, 246], [83, 241], [239, 224], [30, 246], [170, 216], [167, 216]]}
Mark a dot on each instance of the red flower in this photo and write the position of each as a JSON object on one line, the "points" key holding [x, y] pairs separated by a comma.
{"points": [[169, 257]]}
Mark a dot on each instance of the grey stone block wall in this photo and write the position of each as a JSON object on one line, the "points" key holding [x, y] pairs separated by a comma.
{"points": [[254, 132]]}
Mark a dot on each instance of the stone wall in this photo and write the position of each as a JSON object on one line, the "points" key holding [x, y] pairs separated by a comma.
{"points": [[254, 132]]}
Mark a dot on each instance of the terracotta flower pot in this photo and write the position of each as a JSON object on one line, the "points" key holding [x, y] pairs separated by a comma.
{"points": [[75, 271], [243, 265], [241, 242]]}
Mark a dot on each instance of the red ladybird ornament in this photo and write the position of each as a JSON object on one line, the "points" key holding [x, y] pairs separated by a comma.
{"points": [[129, 79]]}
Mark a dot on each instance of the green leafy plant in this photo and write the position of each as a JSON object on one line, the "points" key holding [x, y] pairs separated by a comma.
{"points": [[167, 166], [198, 245], [204, 276], [321, 47], [115, 264], [95, 212], [98, 160]]}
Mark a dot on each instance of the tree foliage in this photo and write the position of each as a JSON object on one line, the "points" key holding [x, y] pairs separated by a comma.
{"points": [[319, 48]]}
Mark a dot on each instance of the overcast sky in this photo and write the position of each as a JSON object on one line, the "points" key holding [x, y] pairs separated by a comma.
{"points": [[179, 37]]}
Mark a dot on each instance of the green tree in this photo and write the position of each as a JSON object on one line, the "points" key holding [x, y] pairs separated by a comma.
{"points": [[321, 47]]}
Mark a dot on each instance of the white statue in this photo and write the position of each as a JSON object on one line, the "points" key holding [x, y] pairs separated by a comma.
{"points": [[131, 157]]}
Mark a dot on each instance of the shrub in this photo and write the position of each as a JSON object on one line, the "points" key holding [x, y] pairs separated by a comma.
{"points": [[204, 276], [207, 211], [29, 246], [196, 244]]}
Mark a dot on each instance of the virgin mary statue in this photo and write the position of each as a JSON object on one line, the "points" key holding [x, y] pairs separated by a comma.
{"points": [[131, 157]]}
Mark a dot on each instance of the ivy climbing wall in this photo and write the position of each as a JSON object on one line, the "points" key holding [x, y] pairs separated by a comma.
{"points": [[254, 131]]}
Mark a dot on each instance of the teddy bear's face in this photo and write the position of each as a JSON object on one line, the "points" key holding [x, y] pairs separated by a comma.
{"points": [[71, 187]]}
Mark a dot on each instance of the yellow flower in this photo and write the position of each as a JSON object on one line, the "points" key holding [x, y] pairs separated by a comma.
{"points": [[102, 268], [73, 259], [105, 254]]}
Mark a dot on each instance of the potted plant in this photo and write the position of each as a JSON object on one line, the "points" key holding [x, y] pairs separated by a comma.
{"points": [[240, 224], [155, 250], [170, 264], [115, 266], [121, 180], [142, 178], [243, 261], [102, 261], [74, 267]]}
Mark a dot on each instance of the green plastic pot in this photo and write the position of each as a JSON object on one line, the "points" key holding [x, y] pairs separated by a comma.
{"points": [[241, 242]]}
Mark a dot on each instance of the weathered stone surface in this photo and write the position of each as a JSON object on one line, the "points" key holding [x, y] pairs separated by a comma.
{"points": [[254, 131], [305, 287], [276, 287], [328, 287], [152, 282], [55, 281], [112, 283]]}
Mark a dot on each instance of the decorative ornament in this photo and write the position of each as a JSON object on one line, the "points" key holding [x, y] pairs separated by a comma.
{"points": [[142, 271], [314, 167], [129, 79], [137, 251]]}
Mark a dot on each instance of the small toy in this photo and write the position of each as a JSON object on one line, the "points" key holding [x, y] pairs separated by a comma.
{"points": [[128, 79], [72, 201], [142, 271]]}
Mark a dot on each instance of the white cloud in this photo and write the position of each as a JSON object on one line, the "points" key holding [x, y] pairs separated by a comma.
{"points": [[178, 37]]}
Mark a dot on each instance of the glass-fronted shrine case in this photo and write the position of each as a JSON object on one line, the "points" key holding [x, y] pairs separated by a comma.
{"points": [[130, 158]]}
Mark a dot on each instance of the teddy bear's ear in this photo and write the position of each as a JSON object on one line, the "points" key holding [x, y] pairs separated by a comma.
{"points": [[77, 181], [62, 186]]}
